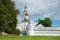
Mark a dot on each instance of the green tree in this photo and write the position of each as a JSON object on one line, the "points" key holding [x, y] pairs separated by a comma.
{"points": [[8, 16], [3, 12], [46, 22]]}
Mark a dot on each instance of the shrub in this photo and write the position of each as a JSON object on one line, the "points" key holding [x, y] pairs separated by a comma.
{"points": [[0, 32], [17, 32]]}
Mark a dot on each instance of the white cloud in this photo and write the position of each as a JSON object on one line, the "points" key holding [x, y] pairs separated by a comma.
{"points": [[46, 8]]}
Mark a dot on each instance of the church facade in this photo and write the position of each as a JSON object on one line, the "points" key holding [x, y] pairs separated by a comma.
{"points": [[27, 27]]}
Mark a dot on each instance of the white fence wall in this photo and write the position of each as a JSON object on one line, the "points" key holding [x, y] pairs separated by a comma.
{"points": [[46, 33]]}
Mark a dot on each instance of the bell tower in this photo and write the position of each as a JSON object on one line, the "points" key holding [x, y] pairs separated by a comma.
{"points": [[25, 13], [25, 21], [26, 16]]}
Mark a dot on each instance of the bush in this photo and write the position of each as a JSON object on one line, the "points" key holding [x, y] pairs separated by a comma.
{"points": [[17, 32], [0, 32]]}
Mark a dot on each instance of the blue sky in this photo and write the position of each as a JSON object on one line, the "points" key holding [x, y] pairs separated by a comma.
{"points": [[40, 8]]}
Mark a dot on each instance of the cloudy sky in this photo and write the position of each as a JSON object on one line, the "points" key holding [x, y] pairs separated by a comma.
{"points": [[40, 8]]}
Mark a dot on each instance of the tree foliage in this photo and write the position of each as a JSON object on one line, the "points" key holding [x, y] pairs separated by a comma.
{"points": [[46, 22], [8, 16]]}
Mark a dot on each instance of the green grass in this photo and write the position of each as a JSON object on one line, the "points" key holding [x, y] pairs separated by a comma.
{"points": [[29, 38]]}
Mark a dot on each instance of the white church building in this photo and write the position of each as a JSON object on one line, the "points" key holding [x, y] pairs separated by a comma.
{"points": [[29, 27]]}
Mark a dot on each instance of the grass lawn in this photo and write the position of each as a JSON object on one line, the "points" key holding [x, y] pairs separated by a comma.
{"points": [[29, 38]]}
